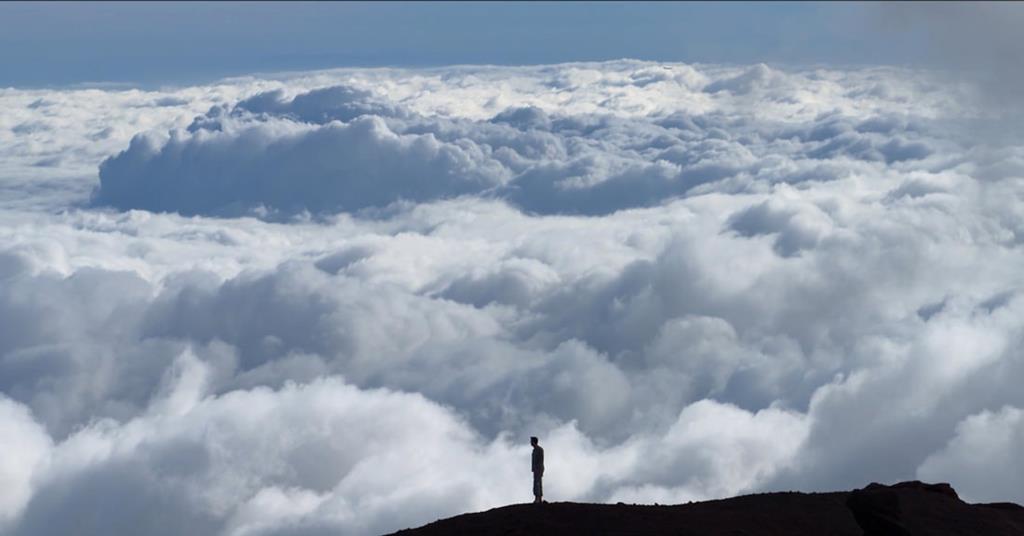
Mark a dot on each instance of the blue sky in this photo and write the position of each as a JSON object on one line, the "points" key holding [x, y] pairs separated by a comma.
{"points": [[68, 43]]}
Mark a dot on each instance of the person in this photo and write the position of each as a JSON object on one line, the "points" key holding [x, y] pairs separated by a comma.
{"points": [[538, 470]]}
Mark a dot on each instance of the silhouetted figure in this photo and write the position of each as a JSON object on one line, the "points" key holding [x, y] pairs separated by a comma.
{"points": [[538, 471]]}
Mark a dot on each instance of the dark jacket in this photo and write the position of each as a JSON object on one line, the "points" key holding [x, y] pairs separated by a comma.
{"points": [[538, 460]]}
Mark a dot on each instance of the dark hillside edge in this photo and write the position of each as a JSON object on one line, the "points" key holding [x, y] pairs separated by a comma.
{"points": [[908, 508]]}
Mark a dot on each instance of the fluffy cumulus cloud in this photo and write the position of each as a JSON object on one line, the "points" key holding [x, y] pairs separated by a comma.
{"points": [[340, 302]]}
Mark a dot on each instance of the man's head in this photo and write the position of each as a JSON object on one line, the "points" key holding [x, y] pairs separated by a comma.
{"points": [[533, 440]]}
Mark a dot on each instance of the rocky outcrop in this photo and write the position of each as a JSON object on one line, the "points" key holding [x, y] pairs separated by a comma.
{"points": [[916, 508]]}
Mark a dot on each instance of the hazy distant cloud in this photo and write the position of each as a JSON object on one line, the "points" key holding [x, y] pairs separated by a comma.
{"points": [[977, 42], [690, 282]]}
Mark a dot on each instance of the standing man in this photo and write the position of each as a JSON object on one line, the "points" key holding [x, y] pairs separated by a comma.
{"points": [[538, 470]]}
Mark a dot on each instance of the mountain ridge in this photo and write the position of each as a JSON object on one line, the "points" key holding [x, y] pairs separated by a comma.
{"points": [[910, 508]]}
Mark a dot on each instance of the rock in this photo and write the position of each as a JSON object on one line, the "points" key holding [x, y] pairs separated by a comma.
{"points": [[877, 511]]}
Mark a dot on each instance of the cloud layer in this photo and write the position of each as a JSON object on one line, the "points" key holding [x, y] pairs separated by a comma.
{"points": [[347, 148], [340, 302]]}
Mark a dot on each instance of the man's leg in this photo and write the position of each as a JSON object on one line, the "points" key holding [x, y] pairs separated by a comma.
{"points": [[537, 490]]}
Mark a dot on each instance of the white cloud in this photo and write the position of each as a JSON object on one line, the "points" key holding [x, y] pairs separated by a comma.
{"points": [[348, 148], [287, 167], [26, 447], [356, 461], [982, 457], [689, 281]]}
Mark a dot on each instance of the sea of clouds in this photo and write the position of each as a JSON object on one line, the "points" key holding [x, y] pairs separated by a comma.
{"points": [[340, 302]]}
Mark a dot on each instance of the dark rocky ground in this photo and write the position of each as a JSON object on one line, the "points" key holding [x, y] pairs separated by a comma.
{"points": [[908, 508]]}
